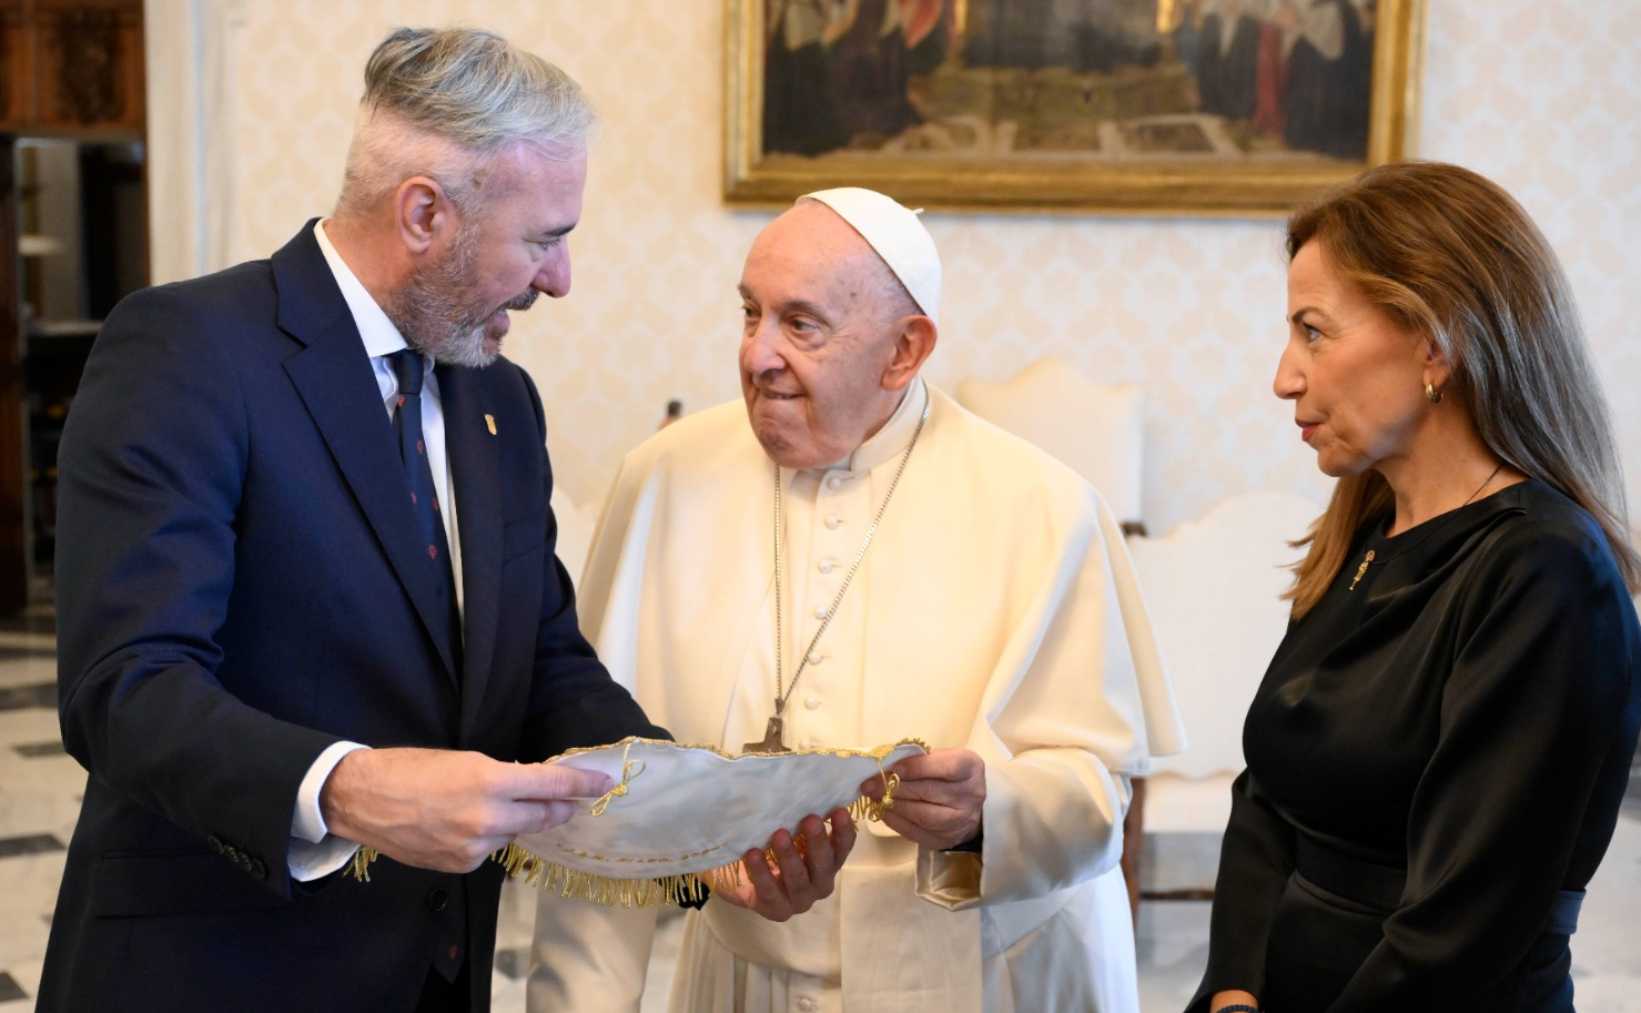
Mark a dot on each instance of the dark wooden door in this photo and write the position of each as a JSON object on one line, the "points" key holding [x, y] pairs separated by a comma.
{"points": [[69, 69], [13, 541]]}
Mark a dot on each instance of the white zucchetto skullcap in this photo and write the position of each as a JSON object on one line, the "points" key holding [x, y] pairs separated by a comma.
{"points": [[898, 236]]}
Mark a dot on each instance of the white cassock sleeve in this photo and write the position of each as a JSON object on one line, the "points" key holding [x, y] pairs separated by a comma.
{"points": [[1076, 705]]}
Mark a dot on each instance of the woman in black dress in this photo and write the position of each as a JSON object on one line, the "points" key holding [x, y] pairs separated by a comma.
{"points": [[1437, 753]]}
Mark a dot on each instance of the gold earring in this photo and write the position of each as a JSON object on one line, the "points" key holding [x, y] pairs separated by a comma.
{"points": [[1431, 394]]}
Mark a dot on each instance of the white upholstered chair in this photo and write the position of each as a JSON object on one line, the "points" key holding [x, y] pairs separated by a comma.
{"points": [[1213, 588], [1096, 429]]}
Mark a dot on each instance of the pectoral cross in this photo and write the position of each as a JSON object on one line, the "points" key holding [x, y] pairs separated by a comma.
{"points": [[772, 736]]}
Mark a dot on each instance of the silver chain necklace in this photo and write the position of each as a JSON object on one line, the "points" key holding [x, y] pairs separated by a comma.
{"points": [[772, 742]]}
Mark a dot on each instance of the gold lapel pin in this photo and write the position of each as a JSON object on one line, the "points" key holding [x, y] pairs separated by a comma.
{"points": [[490, 424]]}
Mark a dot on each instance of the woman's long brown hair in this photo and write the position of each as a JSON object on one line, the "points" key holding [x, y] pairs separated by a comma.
{"points": [[1449, 255]]}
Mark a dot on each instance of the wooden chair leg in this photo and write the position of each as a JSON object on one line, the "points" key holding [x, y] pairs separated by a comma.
{"points": [[1133, 840]]}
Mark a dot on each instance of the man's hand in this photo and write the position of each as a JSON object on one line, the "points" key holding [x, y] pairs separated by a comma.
{"points": [[796, 880], [447, 810], [938, 801]]}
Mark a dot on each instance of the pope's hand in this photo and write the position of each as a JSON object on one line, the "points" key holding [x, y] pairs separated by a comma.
{"points": [[447, 810], [939, 798], [796, 879]]}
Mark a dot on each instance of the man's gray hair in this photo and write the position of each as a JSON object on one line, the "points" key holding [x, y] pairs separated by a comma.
{"points": [[442, 102]]}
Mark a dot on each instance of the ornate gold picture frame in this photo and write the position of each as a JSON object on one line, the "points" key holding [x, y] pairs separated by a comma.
{"points": [[1231, 108]]}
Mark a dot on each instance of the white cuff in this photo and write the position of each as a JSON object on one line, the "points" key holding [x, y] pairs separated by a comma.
{"points": [[307, 822], [309, 861], [314, 852], [949, 879]]}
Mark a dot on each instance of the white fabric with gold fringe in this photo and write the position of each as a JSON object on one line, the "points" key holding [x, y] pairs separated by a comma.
{"points": [[679, 818]]}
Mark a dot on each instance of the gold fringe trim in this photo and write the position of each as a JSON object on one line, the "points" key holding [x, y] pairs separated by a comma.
{"points": [[661, 891], [359, 867]]}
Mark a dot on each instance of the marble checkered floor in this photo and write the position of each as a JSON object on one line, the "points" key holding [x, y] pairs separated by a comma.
{"points": [[40, 796]]}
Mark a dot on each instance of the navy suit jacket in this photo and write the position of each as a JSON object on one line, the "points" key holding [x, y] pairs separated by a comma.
{"points": [[241, 584]]}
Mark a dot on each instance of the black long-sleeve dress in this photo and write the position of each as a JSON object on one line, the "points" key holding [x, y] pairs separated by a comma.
{"points": [[1436, 758]]}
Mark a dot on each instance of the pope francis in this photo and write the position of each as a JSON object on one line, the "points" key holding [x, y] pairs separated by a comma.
{"points": [[847, 559]]}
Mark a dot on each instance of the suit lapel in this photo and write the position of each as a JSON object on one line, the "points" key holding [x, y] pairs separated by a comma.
{"points": [[476, 474], [332, 375]]}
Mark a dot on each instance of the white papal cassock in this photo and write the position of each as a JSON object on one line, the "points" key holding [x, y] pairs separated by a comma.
{"points": [[996, 611]]}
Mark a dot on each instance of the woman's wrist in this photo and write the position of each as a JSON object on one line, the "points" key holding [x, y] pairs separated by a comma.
{"points": [[1234, 1000]]}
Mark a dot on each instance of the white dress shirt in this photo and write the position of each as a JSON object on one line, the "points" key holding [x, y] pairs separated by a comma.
{"points": [[314, 851]]}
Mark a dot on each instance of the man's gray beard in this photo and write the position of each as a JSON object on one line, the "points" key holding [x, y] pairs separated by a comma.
{"points": [[429, 313]]}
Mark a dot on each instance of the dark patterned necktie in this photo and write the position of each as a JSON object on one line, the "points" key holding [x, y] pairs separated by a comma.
{"points": [[424, 496]]}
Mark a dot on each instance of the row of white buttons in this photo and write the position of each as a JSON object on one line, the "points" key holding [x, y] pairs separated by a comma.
{"points": [[825, 565]]}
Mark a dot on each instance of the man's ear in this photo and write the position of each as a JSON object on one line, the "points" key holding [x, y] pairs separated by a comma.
{"points": [[914, 342], [421, 211]]}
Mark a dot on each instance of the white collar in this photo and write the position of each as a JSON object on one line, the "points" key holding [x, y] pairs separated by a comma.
{"points": [[379, 334], [896, 433]]}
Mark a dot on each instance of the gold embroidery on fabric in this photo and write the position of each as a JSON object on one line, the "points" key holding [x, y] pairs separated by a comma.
{"points": [[660, 860]]}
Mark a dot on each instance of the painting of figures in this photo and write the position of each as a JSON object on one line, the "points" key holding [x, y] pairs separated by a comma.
{"points": [[1211, 106]]}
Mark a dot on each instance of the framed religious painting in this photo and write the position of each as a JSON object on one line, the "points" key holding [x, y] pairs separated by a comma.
{"points": [[1192, 107]]}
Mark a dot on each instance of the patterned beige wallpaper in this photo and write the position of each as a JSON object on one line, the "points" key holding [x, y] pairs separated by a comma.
{"points": [[1543, 95]]}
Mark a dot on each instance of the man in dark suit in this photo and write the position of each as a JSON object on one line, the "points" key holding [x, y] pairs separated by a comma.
{"points": [[308, 597]]}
